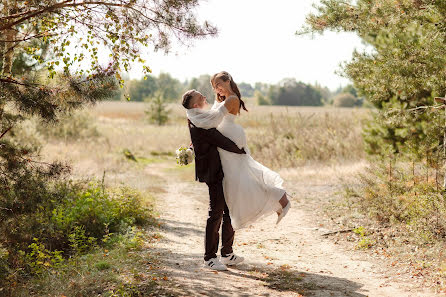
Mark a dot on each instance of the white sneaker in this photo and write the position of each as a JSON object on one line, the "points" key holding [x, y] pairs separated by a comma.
{"points": [[214, 264], [231, 259], [284, 212]]}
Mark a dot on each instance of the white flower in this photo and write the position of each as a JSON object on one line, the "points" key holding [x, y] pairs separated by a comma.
{"points": [[185, 156]]}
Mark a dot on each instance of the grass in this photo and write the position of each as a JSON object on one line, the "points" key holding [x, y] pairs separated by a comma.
{"points": [[126, 267], [145, 161], [182, 173], [296, 136], [279, 137]]}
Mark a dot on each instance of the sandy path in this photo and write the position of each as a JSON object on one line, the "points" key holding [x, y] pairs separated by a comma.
{"points": [[288, 260]]}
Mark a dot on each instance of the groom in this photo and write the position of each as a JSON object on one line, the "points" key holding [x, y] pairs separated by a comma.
{"points": [[208, 169]]}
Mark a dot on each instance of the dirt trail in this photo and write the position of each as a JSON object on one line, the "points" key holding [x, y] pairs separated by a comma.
{"points": [[291, 259]]}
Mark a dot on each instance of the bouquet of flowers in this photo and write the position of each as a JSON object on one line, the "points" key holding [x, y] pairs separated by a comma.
{"points": [[185, 155]]}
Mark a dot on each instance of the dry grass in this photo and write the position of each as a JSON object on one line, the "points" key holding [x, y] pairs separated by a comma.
{"points": [[285, 138], [278, 136], [293, 136], [148, 143]]}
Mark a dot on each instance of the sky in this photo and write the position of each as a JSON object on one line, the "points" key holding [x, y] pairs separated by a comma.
{"points": [[257, 43]]}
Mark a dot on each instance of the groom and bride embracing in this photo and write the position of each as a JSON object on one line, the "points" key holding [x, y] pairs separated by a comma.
{"points": [[241, 190]]}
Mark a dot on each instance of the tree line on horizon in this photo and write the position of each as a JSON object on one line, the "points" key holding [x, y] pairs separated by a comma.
{"points": [[288, 91]]}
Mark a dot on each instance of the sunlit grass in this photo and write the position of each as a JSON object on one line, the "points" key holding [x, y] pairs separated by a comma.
{"points": [[278, 136]]}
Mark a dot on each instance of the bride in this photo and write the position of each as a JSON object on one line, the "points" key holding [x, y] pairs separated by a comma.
{"points": [[251, 190]]}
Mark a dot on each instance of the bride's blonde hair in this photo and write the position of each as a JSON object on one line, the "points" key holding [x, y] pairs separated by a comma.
{"points": [[225, 76]]}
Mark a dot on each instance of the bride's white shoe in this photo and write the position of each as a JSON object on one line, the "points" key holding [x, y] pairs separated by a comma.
{"points": [[284, 212]]}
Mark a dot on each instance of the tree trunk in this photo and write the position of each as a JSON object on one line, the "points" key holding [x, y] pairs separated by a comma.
{"points": [[8, 46], [8, 53]]}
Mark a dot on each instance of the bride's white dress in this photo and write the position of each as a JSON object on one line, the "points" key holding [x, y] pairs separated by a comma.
{"points": [[251, 190]]}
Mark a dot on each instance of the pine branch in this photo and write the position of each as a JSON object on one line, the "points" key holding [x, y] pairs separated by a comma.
{"points": [[10, 80], [425, 107], [3, 134]]}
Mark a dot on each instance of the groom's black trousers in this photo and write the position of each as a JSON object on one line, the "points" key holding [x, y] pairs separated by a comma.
{"points": [[218, 210]]}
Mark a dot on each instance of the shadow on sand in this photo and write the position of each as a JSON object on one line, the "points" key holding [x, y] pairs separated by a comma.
{"points": [[203, 282]]}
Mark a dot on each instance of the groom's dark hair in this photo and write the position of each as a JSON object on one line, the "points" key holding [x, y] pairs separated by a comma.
{"points": [[187, 97]]}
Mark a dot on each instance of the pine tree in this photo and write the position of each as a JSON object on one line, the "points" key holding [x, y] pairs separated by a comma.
{"points": [[402, 69], [157, 111]]}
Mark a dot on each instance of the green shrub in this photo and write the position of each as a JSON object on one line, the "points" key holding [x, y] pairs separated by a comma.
{"points": [[364, 241], [40, 259], [102, 265], [61, 219], [157, 111], [398, 196], [79, 242], [100, 212], [26, 204]]}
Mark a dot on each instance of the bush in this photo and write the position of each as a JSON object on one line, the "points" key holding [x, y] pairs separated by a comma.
{"points": [[398, 196], [39, 258], [157, 112], [27, 133], [345, 100], [79, 125], [261, 100], [61, 219], [99, 212]]}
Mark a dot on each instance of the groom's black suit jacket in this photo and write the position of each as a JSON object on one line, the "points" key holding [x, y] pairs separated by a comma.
{"points": [[207, 159]]}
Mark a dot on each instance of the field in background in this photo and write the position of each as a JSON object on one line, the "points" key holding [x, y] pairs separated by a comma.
{"points": [[279, 137]]}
